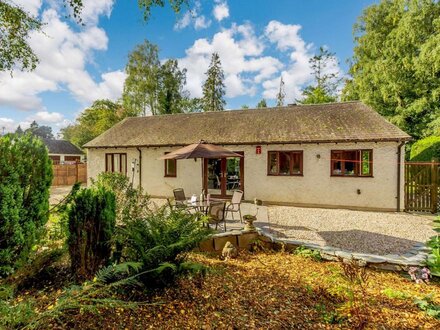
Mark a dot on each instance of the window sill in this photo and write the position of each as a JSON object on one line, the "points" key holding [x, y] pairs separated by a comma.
{"points": [[284, 175], [351, 176], [170, 176]]}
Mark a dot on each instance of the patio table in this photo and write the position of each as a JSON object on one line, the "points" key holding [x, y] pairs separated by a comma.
{"points": [[202, 206]]}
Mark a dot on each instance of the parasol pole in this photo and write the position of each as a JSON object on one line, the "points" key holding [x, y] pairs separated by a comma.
{"points": [[203, 172]]}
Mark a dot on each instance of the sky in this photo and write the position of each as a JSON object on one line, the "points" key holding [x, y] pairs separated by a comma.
{"points": [[259, 41]]}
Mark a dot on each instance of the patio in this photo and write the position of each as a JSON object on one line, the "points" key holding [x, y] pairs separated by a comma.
{"points": [[376, 233]]}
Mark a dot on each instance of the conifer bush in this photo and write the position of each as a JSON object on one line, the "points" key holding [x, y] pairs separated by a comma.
{"points": [[91, 224], [25, 179]]}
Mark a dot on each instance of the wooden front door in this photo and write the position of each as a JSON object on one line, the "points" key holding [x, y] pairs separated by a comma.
{"points": [[223, 175]]}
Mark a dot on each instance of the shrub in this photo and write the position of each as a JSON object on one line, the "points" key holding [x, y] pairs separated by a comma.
{"points": [[426, 149], [308, 253], [427, 305], [131, 203], [91, 223], [26, 176]]}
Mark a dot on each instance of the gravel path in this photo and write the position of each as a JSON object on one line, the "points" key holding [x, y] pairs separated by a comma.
{"points": [[357, 231]]}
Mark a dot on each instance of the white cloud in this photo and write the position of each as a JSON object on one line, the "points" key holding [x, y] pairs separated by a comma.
{"points": [[184, 21], [45, 117], [54, 119], [287, 39], [64, 54], [30, 6], [201, 23], [93, 9], [7, 125], [246, 66], [221, 10], [194, 17]]}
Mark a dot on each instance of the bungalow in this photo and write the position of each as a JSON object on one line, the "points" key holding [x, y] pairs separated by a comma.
{"points": [[62, 152], [341, 155]]}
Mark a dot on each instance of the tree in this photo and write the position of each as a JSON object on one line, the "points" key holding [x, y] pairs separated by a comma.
{"points": [[396, 63], [26, 172], [44, 132], [171, 82], [141, 85], [326, 81], [17, 24], [192, 104], [214, 88], [93, 121], [19, 130], [245, 106], [262, 104], [281, 94]]}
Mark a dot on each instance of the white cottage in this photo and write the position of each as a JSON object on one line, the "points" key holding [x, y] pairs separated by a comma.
{"points": [[342, 155]]}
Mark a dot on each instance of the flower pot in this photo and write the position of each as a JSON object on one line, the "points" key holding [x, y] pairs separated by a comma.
{"points": [[249, 222]]}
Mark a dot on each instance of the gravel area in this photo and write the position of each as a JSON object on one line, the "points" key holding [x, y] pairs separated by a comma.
{"points": [[357, 231]]}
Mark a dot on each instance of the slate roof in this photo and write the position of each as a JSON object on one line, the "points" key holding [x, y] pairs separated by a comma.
{"points": [[331, 122], [62, 147]]}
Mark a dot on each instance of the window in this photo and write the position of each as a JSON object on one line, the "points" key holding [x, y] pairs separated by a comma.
{"points": [[116, 163], [170, 167], [285, 163], [352, 163]]}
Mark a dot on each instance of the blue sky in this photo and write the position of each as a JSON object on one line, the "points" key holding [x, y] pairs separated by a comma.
{"points": [[258, 41]]}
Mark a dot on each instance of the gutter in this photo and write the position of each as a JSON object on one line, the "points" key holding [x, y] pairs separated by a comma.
{"points": [[399, 157], [140, 167]]}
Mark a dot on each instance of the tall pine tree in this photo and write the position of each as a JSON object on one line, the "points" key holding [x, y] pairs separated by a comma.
{"points": [[326, 76], [281, 94], [214, 88]]}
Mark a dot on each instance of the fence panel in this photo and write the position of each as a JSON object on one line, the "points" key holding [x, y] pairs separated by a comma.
{"points": [[68, 174], [422, 186]]}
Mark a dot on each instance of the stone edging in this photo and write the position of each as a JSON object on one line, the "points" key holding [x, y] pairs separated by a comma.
{"points": [[243, 239], [417, 256]]}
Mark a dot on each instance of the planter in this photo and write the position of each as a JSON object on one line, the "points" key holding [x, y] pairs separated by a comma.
{"points": [[249, 222]]}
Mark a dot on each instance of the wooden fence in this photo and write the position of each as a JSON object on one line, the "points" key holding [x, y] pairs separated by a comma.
{"points": [[68, 174], [422, 186]]}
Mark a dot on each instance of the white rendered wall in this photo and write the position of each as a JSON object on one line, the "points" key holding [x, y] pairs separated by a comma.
{"points": [[315, 188]]}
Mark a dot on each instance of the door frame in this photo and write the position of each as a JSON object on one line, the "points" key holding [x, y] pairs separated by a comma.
{"points": [[223, 175]]}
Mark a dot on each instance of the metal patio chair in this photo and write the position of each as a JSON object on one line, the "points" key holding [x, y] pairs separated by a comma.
{"points": [[234, 206], [216, 214], [179, 196]]}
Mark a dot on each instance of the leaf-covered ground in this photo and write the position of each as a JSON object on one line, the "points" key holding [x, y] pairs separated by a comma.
{"points": [[265, 291]]}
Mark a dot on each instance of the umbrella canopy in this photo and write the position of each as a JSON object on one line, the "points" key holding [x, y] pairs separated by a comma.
{"points": [[200, 150]]}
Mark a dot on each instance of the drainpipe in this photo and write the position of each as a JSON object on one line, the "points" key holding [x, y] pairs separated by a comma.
{"points": [[399, 158], [140, 167]]}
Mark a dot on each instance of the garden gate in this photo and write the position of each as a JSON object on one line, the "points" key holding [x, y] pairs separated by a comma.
{"points": [[422, 186]]}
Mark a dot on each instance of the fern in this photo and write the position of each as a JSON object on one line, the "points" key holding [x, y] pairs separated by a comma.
{"points": [[160, 242], [116, 272]]}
